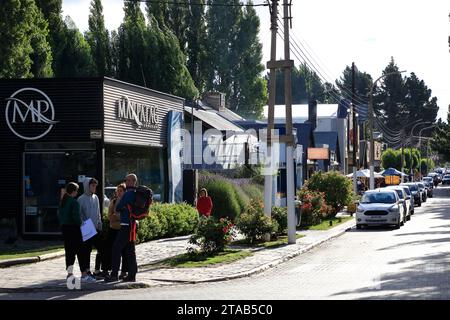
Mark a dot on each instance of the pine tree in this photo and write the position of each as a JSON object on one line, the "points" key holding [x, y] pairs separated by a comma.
{"points": [[98, 39], [389, 100], [363, 83]]}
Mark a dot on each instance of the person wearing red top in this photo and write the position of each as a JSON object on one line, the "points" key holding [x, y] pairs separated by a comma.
{"points": [[204, 203]]}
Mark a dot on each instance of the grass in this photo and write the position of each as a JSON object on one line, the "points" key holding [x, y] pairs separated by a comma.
{"points": [[280, 241], [325, 225], [27, 253], [195, 261]]}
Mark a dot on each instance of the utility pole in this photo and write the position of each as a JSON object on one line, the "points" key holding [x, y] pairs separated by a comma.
{"points": [[268, 179], [355, 131], [289, 136], [288, 139]]}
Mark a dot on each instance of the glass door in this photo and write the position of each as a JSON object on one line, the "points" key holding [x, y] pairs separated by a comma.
{"points": [[45, 177]]}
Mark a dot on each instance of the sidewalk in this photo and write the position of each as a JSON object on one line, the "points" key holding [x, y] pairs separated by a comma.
{"points": [[50, 275]]}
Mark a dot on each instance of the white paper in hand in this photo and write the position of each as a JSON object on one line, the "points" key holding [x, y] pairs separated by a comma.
{"points": [[88, 229]]}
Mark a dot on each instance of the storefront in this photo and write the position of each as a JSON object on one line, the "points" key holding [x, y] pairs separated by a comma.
{"points": [[54, 131]]}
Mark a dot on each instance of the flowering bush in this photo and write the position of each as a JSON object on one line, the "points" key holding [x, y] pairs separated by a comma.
{"points": [[213, 234], [313, 208], [254, 224]]}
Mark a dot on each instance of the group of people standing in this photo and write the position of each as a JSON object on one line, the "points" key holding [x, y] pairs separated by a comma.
{"points": [[116, 247]]}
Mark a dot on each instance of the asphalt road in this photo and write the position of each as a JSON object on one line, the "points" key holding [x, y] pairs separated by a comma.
{"points": [[376, 263]]}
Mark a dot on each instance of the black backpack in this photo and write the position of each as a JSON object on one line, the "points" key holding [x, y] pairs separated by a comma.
{"points": [[144, 198]]}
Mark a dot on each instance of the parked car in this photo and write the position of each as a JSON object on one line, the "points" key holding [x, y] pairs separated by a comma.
{"points": [[410, 198], [446, 179], [404, 199], [429, 184], [380, 207], [423, 190], [109, 192], [415, 192]]}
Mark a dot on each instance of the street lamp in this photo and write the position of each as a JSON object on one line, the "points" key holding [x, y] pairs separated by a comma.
{"points": [[372, 142]]}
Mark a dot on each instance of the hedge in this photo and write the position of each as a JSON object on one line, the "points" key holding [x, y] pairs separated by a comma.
{"points": [[165, 220]]}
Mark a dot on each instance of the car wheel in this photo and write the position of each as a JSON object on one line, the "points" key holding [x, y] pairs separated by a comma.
{"points": [[358, 226], [420, 204], [398, 225], [408, 217]]}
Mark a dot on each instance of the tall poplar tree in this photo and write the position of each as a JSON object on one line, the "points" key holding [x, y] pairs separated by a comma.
{"points": [[98, 39]]}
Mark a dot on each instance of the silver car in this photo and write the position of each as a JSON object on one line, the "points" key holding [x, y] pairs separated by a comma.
{"points": [[404, 199], [380, 207]]}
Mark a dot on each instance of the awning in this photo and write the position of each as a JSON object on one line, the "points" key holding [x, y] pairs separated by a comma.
{"points": [[214, 120]]}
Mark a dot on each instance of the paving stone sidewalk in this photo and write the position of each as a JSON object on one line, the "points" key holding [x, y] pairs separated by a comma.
{"points": [[50, 275]]}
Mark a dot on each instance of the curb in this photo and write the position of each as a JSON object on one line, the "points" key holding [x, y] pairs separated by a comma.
{"points": [[265, 266], [13, 262], [94, 287], [141, 285]]}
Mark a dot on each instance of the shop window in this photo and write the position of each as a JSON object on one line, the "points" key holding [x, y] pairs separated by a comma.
{"points": [[149, 164]]}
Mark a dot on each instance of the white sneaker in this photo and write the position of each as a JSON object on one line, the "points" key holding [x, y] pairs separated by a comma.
{"points": [[88, 278]]}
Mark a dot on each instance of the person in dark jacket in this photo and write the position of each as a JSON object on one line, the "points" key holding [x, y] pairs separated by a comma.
{"points": [[70, 220], [123, 241], [204, 203]]}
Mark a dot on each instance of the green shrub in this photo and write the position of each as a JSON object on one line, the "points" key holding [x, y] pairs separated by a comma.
{"points": [[336, 187], [254, 224], [224, 197], [279, 214], [254, 191], [212, 235]]}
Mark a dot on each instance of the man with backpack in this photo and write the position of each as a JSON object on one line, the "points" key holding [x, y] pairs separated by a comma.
{"points": [[133, 206]]}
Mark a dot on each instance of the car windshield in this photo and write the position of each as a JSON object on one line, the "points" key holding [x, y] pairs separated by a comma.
{"points": [[421, 185], [413, 187], [400, 193], [378, 197], [407, 191]]}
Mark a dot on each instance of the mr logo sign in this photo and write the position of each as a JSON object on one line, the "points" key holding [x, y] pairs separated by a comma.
{"points": [[30, 113]]}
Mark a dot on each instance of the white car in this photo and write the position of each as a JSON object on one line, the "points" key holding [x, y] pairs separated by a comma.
{"points": [[404, 198], [380, 207]]}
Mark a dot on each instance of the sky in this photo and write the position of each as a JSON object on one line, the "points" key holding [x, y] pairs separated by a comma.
{"points": [[337, 33]]}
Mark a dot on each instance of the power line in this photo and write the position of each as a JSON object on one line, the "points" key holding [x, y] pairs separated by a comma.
{"points": [[202, 4], [358, 98]]}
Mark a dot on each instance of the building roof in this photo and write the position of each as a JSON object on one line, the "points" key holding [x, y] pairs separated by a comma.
{"points": [[214, 120], [300, 111]]}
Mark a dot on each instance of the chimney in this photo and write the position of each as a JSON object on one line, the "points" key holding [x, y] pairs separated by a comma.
{"points": [[312, 114], [214, 99]]}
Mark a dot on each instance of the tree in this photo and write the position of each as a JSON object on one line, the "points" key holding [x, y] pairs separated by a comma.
{"points": [[98, 39], [249, 93], [131, 44], [75, 58], [24, 50], [178, 21], [363, 83], [389, 99], [223, 53], [441, 137], [401, 104], [234, 57], [391, 158], [52, 11], [196, 44]]}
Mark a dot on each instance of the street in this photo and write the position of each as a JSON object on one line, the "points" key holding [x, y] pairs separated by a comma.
{"points": [[377, 263]]}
